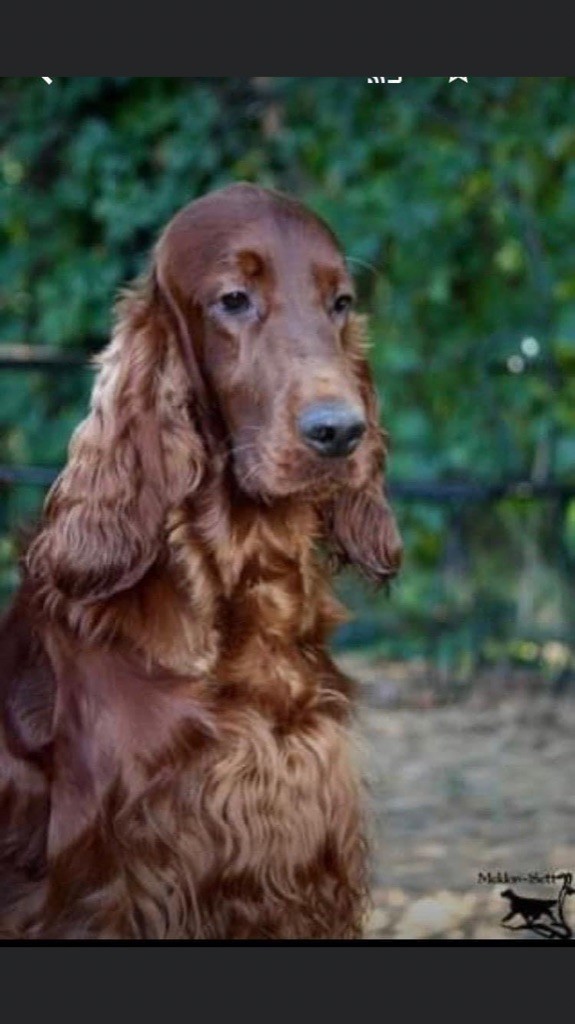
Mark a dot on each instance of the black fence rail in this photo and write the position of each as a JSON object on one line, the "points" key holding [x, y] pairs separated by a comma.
{"points": [[448, 492], [37, 357]]}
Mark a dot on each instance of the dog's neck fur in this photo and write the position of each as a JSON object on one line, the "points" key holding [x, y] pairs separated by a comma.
{"points": [[228, 592], [263, 565]]}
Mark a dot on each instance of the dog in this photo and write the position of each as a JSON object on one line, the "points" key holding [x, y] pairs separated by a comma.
{"points": [[530, 910], [175, 739]]}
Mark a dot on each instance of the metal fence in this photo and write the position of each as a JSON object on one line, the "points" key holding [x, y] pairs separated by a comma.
{"points": [[25, 358]]}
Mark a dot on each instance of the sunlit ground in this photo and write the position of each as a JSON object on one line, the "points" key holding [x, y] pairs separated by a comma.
{"points": [[486, 785]]}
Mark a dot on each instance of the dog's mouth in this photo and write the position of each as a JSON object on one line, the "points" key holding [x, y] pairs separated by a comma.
{"points": [[270, 474]]}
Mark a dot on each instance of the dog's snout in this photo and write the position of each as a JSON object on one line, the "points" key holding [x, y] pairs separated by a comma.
{"points": [[332, 429]]}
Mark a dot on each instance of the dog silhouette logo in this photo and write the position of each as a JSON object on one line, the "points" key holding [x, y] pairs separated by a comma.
{"points": [[546, 918]]}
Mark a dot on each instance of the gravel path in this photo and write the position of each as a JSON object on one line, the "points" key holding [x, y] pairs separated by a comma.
{"points": [[478, 787]]}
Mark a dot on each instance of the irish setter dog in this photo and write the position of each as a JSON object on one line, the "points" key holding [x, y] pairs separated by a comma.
{"points": [[175, 739]]}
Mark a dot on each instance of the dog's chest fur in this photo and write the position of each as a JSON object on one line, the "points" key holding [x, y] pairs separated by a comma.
{"points": [[202, 784], [204, 804]]}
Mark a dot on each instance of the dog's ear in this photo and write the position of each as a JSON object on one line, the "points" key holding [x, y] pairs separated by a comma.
{"points": [[28, 699], [137, 455], [362, 529]]}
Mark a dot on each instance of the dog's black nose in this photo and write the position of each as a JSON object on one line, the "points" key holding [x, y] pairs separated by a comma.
{"points": [[332, 429]]}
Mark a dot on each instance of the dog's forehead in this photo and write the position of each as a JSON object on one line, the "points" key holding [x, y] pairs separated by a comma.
{"points": [[217, 229]]}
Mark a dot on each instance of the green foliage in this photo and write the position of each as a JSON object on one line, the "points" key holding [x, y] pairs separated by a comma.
{"points": [[456, 206]]}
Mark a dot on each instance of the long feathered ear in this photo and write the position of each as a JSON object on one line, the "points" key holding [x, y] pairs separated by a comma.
{"points": [[362, 530], [136, 456]]}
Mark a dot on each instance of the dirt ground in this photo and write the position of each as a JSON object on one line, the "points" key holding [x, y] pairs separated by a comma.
{"points": [[483, 786]]}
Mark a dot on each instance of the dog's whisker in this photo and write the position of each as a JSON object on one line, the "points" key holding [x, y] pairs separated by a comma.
{"points": [[376, 271]]}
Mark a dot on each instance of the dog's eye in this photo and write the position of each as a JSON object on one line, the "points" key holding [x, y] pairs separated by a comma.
{"points": [[235, 302], [343, 304]]}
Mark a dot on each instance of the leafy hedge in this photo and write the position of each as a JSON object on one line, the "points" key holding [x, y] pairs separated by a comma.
{"points": [[456, 206]]}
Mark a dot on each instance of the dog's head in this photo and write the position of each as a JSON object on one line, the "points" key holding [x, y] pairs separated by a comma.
{"points": [[240, 348], [260, 287]]}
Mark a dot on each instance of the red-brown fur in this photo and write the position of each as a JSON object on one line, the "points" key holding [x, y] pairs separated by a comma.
{"points": [[175, 755]]}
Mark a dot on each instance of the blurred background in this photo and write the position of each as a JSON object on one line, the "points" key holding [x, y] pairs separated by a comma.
{"points": [[455, 204]]}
